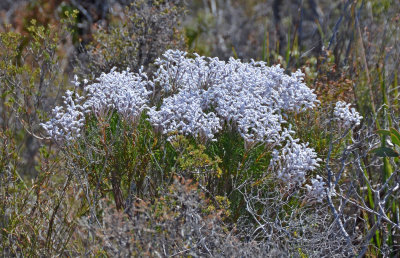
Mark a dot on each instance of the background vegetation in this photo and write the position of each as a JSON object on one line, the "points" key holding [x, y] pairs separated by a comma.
{"points": [[126, 190]]}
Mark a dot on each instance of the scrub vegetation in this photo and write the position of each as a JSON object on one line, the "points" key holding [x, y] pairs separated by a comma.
{"points": [[199, 128]]}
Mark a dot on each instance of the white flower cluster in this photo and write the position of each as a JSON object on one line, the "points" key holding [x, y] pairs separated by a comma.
{"points": [[183, 113], [346, 115], [249, 96], [294, 161], [123, 92], [317, 189], [67, 122]]}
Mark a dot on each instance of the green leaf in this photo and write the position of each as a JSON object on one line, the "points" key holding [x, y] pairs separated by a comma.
{"points": [[395, 136], [384, 132], [395, 140], [385, 152]]}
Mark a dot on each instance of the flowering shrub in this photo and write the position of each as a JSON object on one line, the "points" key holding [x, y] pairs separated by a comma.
{"points": [[203, 96], [206, 95]]}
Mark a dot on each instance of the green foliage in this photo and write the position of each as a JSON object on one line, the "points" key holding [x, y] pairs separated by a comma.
{"points": [[31, 77], [32, 189], [113, 155], [192, 159], [386, 151]]}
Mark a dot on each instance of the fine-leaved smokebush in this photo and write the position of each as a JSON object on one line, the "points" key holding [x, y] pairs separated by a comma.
{"points": [[203, 96]]}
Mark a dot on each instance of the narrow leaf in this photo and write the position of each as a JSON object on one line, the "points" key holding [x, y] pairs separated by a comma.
{"points": [[395, 140], [385, 152], [384, 132], [395, 136]]}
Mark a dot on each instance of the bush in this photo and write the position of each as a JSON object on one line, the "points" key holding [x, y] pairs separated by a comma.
{"points": [[144, 31], [180, 222]]}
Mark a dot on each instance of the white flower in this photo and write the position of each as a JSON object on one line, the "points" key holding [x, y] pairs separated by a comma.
{"points": [[346, 115], [67, 122], [317, 189], [293, 162], [250, 96], [183, 113], [123, 92]]}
